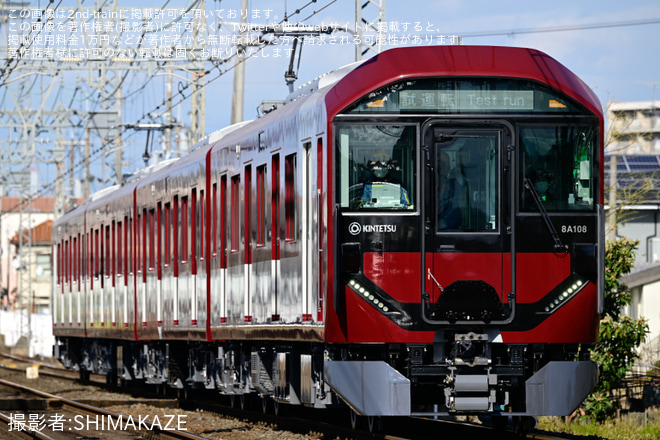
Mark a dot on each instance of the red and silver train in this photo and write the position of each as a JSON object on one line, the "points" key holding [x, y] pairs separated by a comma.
{"points": [[420, 233]]}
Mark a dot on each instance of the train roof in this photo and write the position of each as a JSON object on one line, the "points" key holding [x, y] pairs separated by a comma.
{"points": [[322, 81], [476, 61], [142, 173]]}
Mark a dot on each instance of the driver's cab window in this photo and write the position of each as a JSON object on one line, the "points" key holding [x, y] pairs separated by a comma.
{"points": [[558, 163], [376, 167]]}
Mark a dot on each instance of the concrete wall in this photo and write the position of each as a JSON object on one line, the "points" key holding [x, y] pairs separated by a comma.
{"points": [[14, 330]]}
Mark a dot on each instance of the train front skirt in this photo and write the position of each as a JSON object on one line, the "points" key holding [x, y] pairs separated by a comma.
{"points": [[376, 389]]}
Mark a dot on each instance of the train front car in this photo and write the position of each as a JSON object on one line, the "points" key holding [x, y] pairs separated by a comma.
{"points": [[468, 225]]}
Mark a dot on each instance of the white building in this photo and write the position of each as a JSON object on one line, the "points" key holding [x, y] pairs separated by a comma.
{"points": [[11, 217], [633, 127], [644, 284], [634, 138]]}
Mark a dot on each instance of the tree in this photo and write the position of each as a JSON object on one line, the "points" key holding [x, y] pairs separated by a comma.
{"points": [[627, 135], [619, 335]]}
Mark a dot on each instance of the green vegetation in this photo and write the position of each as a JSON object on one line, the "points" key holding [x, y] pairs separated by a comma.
{"points": [[619, 335], [616, 352], [634, 426]]}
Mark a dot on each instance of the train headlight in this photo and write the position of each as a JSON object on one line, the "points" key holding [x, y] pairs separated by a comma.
{"points": [[379, 299], [561, 294]]}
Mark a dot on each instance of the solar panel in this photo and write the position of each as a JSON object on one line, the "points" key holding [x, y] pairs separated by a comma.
{"points": [[636, 172]]}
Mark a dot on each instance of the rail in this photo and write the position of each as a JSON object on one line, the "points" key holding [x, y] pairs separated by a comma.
{"points": [[163, 433]]}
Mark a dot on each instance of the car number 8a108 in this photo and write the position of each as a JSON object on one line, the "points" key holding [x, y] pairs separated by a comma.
{"points": [[574, 229]]}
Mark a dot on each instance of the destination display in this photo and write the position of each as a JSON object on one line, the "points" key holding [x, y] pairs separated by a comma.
{"points": [[479, 100], [457, 96]]}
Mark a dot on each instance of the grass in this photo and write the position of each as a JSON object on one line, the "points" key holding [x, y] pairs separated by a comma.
{"points": [[631, 426]]}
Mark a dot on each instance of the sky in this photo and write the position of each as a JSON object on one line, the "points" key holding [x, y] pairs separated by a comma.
{"points": [[613, 46], [620, 63]]}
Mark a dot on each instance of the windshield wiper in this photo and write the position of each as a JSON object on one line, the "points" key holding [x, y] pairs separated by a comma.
{"points": [[559, 245]]}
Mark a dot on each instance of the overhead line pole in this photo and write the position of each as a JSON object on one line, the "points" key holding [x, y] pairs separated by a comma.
{"points": [[239, 70]]}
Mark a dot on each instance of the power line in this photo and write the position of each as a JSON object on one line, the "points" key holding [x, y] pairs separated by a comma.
{"points": [[568, 28], [182, 98]]}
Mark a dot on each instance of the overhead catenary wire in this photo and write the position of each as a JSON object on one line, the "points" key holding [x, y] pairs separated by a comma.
{"points": [[184, 94], [567, 28]]}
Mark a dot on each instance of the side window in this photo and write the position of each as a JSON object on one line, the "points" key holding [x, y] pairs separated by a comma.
{"points": [[176, 227], [108, 253], [96, 254], [194, 228], [143, 245], [214, 221], [222, 245], [59, 264], [120, 248], [103, 260], [202, 226], [248, 214], [167, 235], [235, 211], [65, 268], [290, 173], [113, 252], [184, 230], [152, 239], [275, 207], [261, 206]]}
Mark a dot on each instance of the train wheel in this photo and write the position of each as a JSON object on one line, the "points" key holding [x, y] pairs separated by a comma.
{"points": [[237, 401], [264, 405], [375, 424], [499, 423], [354, 419], [84, 376], [161, 389], [276, 407], [523, 425], [182, 393]]}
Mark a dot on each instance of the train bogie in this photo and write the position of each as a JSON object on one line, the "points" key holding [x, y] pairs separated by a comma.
{"points": [[420, 234]]}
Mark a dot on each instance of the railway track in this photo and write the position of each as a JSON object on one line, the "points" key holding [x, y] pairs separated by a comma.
{"points": [[72, 419], [256, 418]]}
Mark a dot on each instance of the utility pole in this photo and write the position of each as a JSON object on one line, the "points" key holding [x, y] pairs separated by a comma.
{"points": [[364, 9], [37, 109], [239, 69], [612, 200]]}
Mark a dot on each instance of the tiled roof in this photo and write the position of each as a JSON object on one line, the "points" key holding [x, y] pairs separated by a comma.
{"points": [[40, 204], [40, 234]]}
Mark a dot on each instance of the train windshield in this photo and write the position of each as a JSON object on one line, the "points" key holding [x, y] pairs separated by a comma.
{"points": [[466, 179], [376, 165], [557, 164]]}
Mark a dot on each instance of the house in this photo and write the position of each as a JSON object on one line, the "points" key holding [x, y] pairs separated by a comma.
{"points": [[36, 297], [15, 217], [644, 285]]}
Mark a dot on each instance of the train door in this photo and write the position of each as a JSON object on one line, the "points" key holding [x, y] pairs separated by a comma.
{"points": [[467, 215]]}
